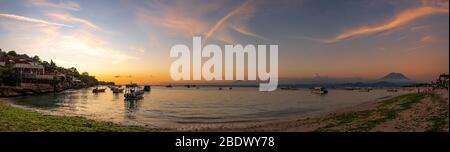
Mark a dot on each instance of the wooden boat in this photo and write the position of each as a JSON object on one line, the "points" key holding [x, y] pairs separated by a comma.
{"points": [[97, 90], [133, 91], [147, 88], [117, 90], [319, 90]]}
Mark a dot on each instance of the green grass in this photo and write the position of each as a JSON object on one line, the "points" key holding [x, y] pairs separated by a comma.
{"points": [[439, 121], [21, 120], [367, 119]]}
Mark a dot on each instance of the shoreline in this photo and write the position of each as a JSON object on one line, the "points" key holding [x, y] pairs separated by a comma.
{"points": [[340, 120], [413, 112]]}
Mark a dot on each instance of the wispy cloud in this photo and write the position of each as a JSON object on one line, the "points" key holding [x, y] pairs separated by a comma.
{"points": [[223, 20], [74, 42], [427, 39], [32, 20], [400, 19], [69, 5], [71, 19], [421, 27], [195, 21]]}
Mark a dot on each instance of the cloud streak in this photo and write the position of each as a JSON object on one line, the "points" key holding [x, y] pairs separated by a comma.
{"points": [[69, 5], [243, 30], [400, 19], [69, 18], [196, 22], [232, 13], [32, 20]]}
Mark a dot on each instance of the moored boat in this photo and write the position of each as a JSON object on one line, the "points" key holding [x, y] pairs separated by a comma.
{"points": [[133, 91], [117, 90], [147, 88], [319, 90], [97, 90]]}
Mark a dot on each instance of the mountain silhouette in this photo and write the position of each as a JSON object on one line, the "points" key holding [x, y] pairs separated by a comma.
{"points": [[395, 77]]}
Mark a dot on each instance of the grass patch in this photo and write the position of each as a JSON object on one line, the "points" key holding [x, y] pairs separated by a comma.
{"points": [[17, 119], [440, 120], [367, 119]]}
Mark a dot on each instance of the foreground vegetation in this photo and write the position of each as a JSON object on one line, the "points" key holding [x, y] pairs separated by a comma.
{"points": [[17, 119]]}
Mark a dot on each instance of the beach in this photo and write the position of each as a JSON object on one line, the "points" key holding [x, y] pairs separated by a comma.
{"points": [[415, 112], [412, 112]]}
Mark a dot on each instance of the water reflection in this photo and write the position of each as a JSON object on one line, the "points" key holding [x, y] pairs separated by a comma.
{"points": [[170, 107]]}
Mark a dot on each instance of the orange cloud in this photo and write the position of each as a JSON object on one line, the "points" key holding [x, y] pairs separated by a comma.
{"points": [[402, 18], [32, 20]]}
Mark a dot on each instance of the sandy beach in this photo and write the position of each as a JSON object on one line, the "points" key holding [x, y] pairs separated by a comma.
{"points": [[416, 112]]}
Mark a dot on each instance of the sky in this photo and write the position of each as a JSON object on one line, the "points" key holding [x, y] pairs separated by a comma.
{"points": [[130, 40]]}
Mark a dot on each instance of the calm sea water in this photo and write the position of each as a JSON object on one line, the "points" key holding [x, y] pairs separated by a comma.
{"points": [[178, 107]]}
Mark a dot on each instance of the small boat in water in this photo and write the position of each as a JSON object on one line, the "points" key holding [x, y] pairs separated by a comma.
{"points": [[133, 91], [169, 86], [147, 88], [365, 89], [117, 90], [97, 90], [392, 90], [289, 88], [319, 90], [349, 88]]}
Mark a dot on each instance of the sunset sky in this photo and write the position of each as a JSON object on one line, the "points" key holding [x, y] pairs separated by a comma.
{"points": [[124, 40]]}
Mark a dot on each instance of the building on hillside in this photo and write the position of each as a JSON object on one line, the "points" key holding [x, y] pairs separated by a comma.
{"points": [[30, 71]]}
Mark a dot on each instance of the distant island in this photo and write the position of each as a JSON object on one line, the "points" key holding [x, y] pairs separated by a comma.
{"points": [[21, 74]]}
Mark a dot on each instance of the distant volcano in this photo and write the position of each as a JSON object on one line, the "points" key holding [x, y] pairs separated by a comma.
{"points": [[397, 77]]}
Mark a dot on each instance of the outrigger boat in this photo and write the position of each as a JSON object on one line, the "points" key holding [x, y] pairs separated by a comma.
{"points": [[133, 91], [117, 90], [319, 90], [97, 90], [147, 88]]}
